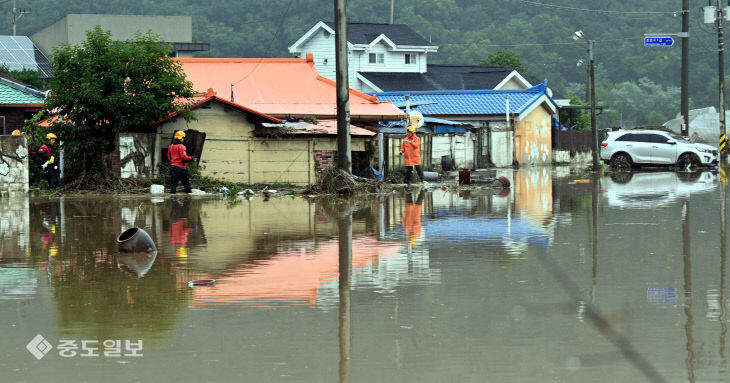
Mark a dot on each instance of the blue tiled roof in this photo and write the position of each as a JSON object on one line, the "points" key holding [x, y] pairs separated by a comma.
{"points": [[471, 102]]}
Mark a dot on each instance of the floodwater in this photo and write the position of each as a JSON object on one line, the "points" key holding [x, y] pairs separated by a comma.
{"points": [[560, 278]]}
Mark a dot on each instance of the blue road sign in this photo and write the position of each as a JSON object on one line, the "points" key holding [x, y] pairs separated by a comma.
{"points": [[658, 41]]}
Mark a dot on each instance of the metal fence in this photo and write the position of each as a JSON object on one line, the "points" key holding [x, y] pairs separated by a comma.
{"points": [[572, 139]]}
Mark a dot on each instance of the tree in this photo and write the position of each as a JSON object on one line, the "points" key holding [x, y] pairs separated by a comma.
{"points": [[102, 87], [504, 57]]}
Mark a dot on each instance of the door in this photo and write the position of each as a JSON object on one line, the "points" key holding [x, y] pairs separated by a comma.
{"points": [[661, 151]]}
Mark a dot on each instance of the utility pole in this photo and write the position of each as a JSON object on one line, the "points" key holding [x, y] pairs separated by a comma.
{"points": [[684, 127], [594, 129], [721, 78], [17, 14], [344, 157]]}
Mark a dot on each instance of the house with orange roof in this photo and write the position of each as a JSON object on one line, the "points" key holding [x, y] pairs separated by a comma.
{"points": [[239, 144], [271, 120]]}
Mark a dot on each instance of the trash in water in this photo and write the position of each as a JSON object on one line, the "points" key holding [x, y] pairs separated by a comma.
{"points": [[135, 240], [202, 282]]}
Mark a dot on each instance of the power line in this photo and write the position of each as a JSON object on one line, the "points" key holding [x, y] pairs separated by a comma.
{"points": [[601, 11], [268, 48], [545, 44]]}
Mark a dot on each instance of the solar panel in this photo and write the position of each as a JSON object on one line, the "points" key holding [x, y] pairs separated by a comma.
{"points": [[18, 53]]}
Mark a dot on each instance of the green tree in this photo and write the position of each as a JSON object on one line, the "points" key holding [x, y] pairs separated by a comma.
{"points": [[102, 87], [504, 57]]}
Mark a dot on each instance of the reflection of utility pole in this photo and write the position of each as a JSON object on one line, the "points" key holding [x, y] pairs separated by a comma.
{"points": [[344, 225], [594, 208], [723, 264], [17, 14], [690, 361], [344, 157]]}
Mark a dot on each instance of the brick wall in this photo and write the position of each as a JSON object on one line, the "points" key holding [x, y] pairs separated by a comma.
{"points": [[324, 159]]}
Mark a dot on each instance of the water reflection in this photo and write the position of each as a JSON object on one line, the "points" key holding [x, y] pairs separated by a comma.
{"points": [[647, 190], [419, 287]]}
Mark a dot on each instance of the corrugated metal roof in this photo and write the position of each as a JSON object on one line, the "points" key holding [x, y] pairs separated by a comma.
{"points": [[471, 102], [9, 95], [280, 87]]}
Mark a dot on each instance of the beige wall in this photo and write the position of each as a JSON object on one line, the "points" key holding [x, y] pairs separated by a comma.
{"points": [[533, 144], [232, 153], [72, 29], [13, 164]]}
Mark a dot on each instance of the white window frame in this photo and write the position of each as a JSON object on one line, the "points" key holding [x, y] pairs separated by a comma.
{"points": [[376, 58], [410, 59]]}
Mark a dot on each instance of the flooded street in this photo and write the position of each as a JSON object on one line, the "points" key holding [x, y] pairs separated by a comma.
{"points": [[559, 278]]}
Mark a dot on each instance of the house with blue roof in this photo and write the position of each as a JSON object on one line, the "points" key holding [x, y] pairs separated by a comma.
{"points": [[508, 127]]}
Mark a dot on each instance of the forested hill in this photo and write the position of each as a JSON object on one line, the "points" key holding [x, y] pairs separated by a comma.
{"points": [[638, 83]]}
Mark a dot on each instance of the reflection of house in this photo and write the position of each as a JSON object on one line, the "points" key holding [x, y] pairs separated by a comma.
{"points": [[71, 29], [510, 126], [294, 277]]}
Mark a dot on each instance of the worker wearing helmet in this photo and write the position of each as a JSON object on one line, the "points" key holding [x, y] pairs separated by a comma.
{"points": [[177, 155], [17, 132], [411, 148], [49, 160]]}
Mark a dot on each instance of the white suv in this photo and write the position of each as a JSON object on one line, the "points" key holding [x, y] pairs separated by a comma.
{"points": [[627, 148]]}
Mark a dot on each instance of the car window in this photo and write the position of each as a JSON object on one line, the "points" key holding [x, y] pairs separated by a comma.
{"points": [[678, 138], [643, 137], [626, 137], [659, 138]]}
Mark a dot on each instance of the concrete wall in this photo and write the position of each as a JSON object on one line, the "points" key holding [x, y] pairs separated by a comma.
{"points": [[502, 145], [460, 147], [14, 164], [533, 144], [571, 157], [72, 29], [231, 151], [136, 154]]}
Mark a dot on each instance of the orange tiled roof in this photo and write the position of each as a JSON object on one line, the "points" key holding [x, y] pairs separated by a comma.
{"points": [[281, 87]]}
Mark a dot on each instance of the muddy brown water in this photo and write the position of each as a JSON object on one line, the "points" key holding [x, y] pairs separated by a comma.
{"points": [[559, 278]]}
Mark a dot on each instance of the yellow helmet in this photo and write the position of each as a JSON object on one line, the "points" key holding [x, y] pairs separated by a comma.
{"points": [[51, 135], [411, 129], [179, 135], [16, 132]]}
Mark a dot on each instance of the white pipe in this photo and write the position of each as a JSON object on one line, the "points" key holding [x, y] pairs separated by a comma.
{"points": [[506, 100]]}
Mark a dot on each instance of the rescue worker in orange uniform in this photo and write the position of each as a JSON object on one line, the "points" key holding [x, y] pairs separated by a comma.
{"points": [[177, 155], [411, 148]]}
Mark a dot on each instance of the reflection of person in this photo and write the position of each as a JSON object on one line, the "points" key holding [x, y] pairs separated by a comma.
{"points": [[47, 155], [412, 219], [178, 156], [179, 228], [411, 148]]}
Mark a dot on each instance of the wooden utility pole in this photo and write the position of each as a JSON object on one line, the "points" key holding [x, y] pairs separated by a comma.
{"points": [[684, 127], [721, 74], [344, 157]]}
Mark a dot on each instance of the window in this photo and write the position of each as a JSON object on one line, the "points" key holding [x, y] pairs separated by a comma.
{"points": [[659, 139], [626, 137], [376, 58], [410, 58]]}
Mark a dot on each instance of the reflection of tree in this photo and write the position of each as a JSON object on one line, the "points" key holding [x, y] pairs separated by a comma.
{"points": [[91, 292]]}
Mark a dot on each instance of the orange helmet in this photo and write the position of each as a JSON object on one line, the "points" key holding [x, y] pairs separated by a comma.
{"points": [[16, 132], [51, 135], [179, 135]]}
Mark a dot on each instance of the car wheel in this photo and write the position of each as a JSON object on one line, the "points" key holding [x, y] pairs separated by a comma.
{"points": [[688, 161], [621, 161]]}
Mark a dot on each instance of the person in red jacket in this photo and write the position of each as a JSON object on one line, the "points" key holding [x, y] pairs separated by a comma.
{"points": [[47, 155], [177, 155], [411, 148]]}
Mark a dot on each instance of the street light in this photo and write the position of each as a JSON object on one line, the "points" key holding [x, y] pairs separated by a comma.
{"points": [[578, 35]]}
